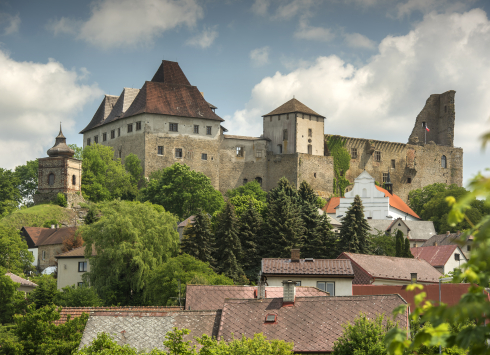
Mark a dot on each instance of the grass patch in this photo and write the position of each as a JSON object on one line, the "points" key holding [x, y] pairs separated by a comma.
{"points": [[35, 216]]}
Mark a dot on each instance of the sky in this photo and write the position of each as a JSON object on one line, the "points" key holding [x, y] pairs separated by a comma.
{"points": [[368, 66]]}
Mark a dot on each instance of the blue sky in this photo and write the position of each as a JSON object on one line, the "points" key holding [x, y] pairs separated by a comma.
{"points": [[367, 65]]}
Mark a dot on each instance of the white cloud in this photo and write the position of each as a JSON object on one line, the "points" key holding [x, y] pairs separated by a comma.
{"points": [[35, 98], [260, 7], [357, 40], [9, 23], [260, 56], [381, 99], [204, 39], [311, 33], [407, 7], [119, 23]]}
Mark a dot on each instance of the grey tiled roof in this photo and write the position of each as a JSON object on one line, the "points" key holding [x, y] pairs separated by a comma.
{"points": [[418, 229], [444, 239]]}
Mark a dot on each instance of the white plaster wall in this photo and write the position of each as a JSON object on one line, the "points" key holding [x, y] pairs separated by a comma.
{"points": [[274, 127], [398, 282], [452, 264], [316, 124], [343, 286], [35, 254], [68, 274], [396, 213]]}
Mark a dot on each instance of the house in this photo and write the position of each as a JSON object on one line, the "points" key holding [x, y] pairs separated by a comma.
{"points": [[71, 267], [445, 258], [390, 270], [212, 297], [183, 224], [50, 244], [332, 275], [31, 235], [378, 203], [417, 232], [25, 285], [451, 238]]}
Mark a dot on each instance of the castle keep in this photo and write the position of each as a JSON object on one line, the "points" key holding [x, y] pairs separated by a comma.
{"points": [[168, 120]]}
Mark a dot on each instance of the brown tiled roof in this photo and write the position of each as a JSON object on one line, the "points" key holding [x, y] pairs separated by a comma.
{"points": [[312, 323], [33, 234], [390, 267], [76, 253], [445, 239], [203, 297], [170, 73], [435, 255], [20, 280], [293, 106], [55, 236], [102, 112], [333, 267]]}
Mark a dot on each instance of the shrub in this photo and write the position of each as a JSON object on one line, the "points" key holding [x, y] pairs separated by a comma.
{"points": [[61, 200]]}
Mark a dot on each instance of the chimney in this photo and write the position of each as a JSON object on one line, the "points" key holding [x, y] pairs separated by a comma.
{"points": [[294, 254], [413, 277], [52, 226], [435, 244], [288, 292], [447, 233], [261, 290]]}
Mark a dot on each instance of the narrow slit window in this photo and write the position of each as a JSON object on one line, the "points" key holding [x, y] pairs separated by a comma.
{"points": [[285, 135], [393, 163], [113, 134], [444, 162], [310, 132]]}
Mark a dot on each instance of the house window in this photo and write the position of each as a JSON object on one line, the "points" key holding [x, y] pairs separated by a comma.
{"points": [[310, 132], [393, 162], [285, 135], [353, 153], [377, 156], [160, 150], [468, 248], [239, 152], [173, 127], [178, 153], [456, 257], [326, 286], [414, 245], [310, 149], [444, 162], [44, 254], [298, 283], [385, 177], [245, 181], [79, 284], [96, 139], [279, 148], [119, 132], [409, 180], [258, 154], [208, 130], [82, 266], [196, 129], [88, 141], [73, 180], [104, 137], [113, 134], [259, 180], [204, 156], [130, 128], [51, 179], [138, 126]]}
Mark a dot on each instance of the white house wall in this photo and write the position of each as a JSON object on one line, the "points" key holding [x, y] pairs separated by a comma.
{"points": [[452, 264], [68, 273], [34, 252], [343, 286]]}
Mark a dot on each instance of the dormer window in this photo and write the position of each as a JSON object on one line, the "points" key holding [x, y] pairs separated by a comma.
{"points": [[270, 318]]}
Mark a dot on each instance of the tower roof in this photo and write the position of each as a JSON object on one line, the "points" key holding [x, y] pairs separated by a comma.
{"points": [[293, 106], [60, 148], [170, 73]]}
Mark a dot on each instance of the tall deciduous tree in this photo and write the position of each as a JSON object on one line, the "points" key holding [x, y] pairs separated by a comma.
{"points": [[250, 233], [132, 164], [251, 188], [78, 151], [14, 254], [46, 292], [130, 239], [354, 232], [27, 177], [10, 196], [198, 239], [182, 191], [12, 301]]}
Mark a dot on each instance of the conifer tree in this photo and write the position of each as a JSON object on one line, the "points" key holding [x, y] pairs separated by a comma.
{"points": [[228, 248], [324, 243], [399, 244], [285, 186], [250, 235], [408, 253], [198, 239], [306, 193], [312, 224], [354, 233]]}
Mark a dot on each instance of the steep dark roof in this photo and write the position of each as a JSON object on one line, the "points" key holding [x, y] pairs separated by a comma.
{"points": [[293, 106], [55, 236], [102, 112], [445, 239], [170, 73], [333, 267], [122, 104]]}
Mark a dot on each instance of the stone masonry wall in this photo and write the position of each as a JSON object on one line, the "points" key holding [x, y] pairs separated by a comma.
{"points": [[51, 252], [318, 172], [281, 165]]}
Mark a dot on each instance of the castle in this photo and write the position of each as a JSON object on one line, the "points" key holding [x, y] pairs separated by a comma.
{"points": [[168, 120]]}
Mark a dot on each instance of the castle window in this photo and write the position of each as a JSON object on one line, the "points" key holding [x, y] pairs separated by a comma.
{"points": [[196, 129], [285, 135], [178, 153], [160, 150], [445, 109], [96, 139], [120, 154], [258, 154], [409, 180], [385, 177], [259, 180], [51, 179], [377, 156], [239, 151], [314, 175], [138, 126], [204, 156], [113, 134], [88, 141], [208, 130], [353, 153], [44, 254], [444, 162], [74, 180], [245, 181], [104, 137], [310, 149], [279, 147], [189, 155], [173, 127], [393, 162], [310, 132], [130, 128], [271, 118], [119, 132]]}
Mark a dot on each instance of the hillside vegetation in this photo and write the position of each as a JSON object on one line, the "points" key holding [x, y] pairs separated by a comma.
{"points": [[37, 215]]}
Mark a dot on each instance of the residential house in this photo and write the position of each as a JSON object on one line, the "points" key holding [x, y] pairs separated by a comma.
{"points": [[417, 232], [24, 285], [50, 244], [390, 270], [183, 224], [212, 297], [332, 275], [444, 258], [31, 235], [452, 239], [71, 267]]}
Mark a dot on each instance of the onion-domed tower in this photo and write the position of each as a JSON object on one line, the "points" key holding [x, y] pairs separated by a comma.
{"points": [[60, 172]]}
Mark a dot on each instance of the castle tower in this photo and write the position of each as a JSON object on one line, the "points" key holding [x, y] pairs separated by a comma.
{"points": [[60, 172]]}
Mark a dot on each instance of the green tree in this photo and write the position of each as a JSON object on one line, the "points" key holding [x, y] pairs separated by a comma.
{"points": [[81, 296], [407, 253], [354, 232], [252, 189], [10, 196], [341, 163], [12, 301], [163, 288], [27, 177], [365, 336], [46, 292], [312, 232], [419, 197], [383, 243], [182, 191], [324, 243], [132, 164], [14, 254], [306, 193], [61, 200], [228, 247], [249, 234], [241, 204], [198, 239], [283, 185], [104, 178], [104, 344], [130, 239], [78, 151], [400, 245]]}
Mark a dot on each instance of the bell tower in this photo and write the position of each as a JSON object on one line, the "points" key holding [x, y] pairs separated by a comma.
{"points": [[59, 172]]}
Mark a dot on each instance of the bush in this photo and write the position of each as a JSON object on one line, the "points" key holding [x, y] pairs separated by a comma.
{"points": [[81, 296], [61, 200]]}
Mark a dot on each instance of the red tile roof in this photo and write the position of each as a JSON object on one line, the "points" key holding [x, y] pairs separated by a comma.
{"points": [[397, 202], [333, 267], [331, 205], [312, 323], [55, 236], [20, 280], [450, 293], [33, 233], [390, 267], [205, 297], [435, 255], [293, 106]]}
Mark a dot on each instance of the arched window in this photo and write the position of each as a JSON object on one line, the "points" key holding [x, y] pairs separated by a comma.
{"points": [[444, 162], [259, 180], [74, 180], [51, 179]]}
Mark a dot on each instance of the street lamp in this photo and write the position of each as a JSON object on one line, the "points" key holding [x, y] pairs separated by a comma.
{"points": [[441, 280]]}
